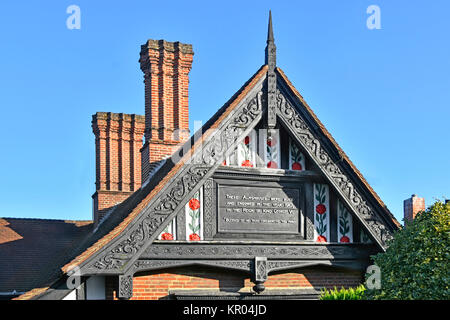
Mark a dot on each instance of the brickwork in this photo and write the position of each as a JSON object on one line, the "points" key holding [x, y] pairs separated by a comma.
{"points": [[166, 67], [412, 206], [156, 285], [118, 140]]}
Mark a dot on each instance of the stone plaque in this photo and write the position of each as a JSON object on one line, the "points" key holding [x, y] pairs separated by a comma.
{"points": [[258, 209]]}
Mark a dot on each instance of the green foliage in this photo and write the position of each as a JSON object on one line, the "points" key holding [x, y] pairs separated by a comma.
{"points": [[343, 294], [416, 264]]}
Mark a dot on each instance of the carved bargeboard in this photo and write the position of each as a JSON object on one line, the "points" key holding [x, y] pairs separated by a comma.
{"points": [[302, 132]]}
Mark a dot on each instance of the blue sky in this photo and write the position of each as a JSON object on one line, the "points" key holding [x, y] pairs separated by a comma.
{"points": [[383, 94]]}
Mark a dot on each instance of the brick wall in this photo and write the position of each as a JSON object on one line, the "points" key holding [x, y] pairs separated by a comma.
{"points": [[118, 140], [156, 285]]}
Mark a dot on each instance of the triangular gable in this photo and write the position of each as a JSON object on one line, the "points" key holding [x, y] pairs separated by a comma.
{"points": [[147, 221]]}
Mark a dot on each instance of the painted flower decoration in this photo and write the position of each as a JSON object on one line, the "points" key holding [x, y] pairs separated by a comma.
{"points": [[344, 222], [247, 163], [194, 237], [321, 209], [166, 236], [272, 165], [296, 156], [247, 140], [194, 204], [320, 218], [271, 152], [297, 166], [271, 141]]}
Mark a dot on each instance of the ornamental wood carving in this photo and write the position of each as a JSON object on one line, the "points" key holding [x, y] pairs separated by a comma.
{"points": [[125, 286], [149, 265], [161, 211], [368, 216], [248, 251]]}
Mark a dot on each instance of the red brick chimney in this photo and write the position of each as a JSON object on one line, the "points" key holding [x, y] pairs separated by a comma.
{"points": [[118, 140], [166, 67], [412, 206]]}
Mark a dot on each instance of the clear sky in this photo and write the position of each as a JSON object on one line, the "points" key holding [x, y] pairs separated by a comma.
{"points": [[382, 93]]}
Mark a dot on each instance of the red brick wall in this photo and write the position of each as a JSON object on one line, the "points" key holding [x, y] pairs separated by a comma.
{"points": [[118, 140], [156, 285], [166, 67]]}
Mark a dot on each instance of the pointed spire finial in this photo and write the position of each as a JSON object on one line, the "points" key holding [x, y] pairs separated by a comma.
{"points": [[271, 49], [271, 62], [270, 30]]}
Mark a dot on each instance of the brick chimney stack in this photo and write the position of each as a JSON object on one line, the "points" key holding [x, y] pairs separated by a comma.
{"points": [[118, 140], [166, 67], [412, 206]]}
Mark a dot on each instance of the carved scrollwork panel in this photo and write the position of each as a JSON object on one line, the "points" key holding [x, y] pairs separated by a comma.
{"points": [[305, 136], [245, 251], [209, 211], [148, 265]]}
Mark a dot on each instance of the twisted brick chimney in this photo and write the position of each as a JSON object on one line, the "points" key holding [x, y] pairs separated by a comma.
{"points": [[118, 140], [166, 67], [412, 206]]}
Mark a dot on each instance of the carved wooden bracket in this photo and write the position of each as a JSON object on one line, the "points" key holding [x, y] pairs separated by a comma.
{"points": [[125, 286], [260, 273]]}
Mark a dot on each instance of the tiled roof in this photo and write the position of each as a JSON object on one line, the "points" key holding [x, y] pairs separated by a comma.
{"points": [[32, 250]]}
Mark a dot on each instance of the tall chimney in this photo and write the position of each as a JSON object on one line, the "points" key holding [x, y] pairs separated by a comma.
{"points": [[166, 67], [118, 140], [412, 206]]}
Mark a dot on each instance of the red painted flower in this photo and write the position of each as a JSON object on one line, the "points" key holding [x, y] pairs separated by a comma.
{"points": [[224, 163], [320, 208], [272, 165], [247, 163], [297, 166], [345, 239], [271, 141], [166, 236], [194, 204], [247, 140], [194, 237], [321, 239]]}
